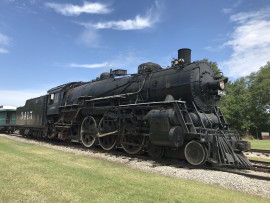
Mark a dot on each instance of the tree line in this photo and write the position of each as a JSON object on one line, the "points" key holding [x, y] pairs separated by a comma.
{"points": [[246, 105]]}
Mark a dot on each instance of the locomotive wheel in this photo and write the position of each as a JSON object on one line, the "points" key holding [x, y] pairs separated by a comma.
{"points": [[195, 153], [155, 152], [88, 131], [107, 142], [133, 144]]}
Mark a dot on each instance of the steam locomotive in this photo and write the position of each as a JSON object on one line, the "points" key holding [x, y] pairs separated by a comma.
{"points": [[161, 111]]}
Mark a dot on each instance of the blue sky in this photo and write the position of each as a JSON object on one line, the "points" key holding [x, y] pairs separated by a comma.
{"points": [[48, 43]]}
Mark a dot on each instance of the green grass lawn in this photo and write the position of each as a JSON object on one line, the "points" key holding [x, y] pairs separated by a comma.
{"points": [[36, 174], [260, 144]]}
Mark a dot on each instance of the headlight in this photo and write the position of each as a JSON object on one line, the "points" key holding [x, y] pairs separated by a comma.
{"points": [[222, 85]]}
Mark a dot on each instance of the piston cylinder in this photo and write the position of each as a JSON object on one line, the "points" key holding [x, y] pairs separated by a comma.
{"points": [[165, 129]]}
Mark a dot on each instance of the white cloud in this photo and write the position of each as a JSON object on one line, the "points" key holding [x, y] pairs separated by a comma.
{"points": [[235, 5], [139, 22], [18, 97], [250, 43], [227, 10], [97, 65], [4, 41], [248, 16], [135, 24], [128, 60], [89, 38], [3, 51], [74, 10]]}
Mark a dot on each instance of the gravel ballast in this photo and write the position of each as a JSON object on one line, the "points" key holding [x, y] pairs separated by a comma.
{"points": [[224, 179]]}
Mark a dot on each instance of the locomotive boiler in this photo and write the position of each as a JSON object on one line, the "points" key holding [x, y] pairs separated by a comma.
{"points": [[161, 111]]}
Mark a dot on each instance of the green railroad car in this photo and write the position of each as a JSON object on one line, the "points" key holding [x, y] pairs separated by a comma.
{"points": [[7, 118]]}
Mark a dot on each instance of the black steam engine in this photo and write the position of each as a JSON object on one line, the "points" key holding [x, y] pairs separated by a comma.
{"points": [[169, 111]]}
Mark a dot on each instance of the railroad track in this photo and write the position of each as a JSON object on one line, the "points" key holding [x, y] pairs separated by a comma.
{"points": [[260, 162], [164, 161], [249, 175], [261, 166], [260, 151]]}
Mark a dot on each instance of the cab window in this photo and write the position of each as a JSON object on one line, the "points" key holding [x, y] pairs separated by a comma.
{"points": [[53, 98]]}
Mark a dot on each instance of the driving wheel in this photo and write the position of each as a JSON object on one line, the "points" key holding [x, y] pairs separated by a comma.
{"points": [[88, 131], [107, 142], [133, 144]]}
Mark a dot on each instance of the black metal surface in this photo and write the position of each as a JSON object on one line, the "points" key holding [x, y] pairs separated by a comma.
{"points": [[33, 114], [164, 108], [185, 55], [183, 83], [165, 129]]}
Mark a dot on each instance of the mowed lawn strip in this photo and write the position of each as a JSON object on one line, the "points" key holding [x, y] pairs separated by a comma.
{"points": [[31, 173], [260, 144]]}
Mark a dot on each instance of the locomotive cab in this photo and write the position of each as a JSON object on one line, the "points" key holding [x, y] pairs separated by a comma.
{"points": [[54, 99], [57, 97]]}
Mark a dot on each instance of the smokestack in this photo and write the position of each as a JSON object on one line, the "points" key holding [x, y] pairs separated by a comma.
{"points": [[185, 55]]}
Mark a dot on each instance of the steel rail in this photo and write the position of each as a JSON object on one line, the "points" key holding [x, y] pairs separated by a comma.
{"points": [[260, 151]]}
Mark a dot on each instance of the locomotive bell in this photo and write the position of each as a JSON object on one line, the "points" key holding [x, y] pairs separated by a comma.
{"points": [[184, 55]]}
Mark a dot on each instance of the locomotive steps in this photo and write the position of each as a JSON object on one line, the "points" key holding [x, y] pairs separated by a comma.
{"points": [[224, 179]]}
